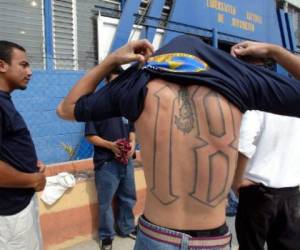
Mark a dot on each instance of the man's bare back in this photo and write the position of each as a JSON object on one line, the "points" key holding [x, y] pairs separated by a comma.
{"points": [[189, 138]]}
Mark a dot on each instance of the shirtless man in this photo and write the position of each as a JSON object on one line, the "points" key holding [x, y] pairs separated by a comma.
{"points": [[187, 128]]}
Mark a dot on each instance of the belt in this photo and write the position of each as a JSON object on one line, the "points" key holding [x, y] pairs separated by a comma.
{"points": [[174, 237]]}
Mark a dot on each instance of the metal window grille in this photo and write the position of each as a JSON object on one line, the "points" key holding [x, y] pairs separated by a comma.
{"points": [[64, 34], [295, 12], [21, 21]]}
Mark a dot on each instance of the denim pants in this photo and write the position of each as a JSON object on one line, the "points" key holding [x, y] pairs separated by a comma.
{"points": [[115, 180], [146, 242]]}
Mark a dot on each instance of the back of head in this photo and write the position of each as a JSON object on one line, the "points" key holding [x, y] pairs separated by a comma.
{"points": [[114, 73], [6, 49]]}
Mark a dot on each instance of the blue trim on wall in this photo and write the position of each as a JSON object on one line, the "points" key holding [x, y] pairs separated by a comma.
{"points": [[122, 2], [283, 29], [48, 35], [291, 34], [215, 38], [125, 24], [154, 12]]}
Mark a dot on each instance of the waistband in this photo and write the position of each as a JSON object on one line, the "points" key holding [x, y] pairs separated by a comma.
{"points": [[275, 191], [174, 237]]}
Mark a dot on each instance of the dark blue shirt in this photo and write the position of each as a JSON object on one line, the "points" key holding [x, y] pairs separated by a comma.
{"points": [[247, 86], [16, 149], [110, 130]]}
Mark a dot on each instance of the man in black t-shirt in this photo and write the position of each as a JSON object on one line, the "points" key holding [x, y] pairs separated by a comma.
{"points": [[113, 177], [21, 175]]}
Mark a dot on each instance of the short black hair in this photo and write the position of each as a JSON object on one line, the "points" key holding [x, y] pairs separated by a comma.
{"points": [[6, 49], [116, 71]]}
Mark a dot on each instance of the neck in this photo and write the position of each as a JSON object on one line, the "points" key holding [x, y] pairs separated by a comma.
{"points": [[4, 86]]}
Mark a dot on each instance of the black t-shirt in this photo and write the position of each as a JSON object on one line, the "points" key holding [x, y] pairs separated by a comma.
{"points": [[16, 149], [110, 129], [186, 60]]}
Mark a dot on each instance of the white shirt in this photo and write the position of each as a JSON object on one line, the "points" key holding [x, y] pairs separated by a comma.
{"points": [[272, 142]]}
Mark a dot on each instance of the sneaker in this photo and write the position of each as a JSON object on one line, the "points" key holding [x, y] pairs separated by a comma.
{"points": [[106, 244]]}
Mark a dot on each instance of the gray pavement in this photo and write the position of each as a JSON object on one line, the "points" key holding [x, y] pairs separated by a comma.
{"points": [[127, 243]]}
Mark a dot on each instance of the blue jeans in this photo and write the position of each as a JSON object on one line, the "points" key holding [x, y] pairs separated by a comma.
{"points": [[233, 201], [145, 242], [115, 180]]}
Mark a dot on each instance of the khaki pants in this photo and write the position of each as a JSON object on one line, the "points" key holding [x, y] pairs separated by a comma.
{"points": [[21, 231]]}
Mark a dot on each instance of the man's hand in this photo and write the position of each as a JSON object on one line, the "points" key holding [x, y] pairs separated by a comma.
{"points": [[113, 146], [41, 166], [254, 52], [132, 149], [254, 49], [38, 181], [139, 51]]}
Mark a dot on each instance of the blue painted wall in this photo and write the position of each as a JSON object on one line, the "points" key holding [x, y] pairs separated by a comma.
{"points": [[234, 18], [231, 20], [37, 104]]}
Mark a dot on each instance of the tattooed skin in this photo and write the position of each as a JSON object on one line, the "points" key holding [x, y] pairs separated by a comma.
{"points": [[185, 120], [188, 138]]}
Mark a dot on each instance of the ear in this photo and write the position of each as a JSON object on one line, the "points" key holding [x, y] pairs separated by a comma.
{"points": [[3, 66]]}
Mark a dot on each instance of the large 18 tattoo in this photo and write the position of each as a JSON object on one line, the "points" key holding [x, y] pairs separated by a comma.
{"points": [[199, 110], [162, 189], [217, 127]]}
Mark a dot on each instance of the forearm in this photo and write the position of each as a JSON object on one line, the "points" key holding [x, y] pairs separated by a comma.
{"points": [[85, 85], [286, 59], [98, 141], [132, 137], [12, 178], [240, 170]]}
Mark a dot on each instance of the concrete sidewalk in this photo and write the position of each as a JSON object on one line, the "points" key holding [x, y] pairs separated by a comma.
{"points": [[128, 243]]}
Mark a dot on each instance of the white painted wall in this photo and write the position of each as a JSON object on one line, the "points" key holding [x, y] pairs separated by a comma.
{"points": [[106, 32]]}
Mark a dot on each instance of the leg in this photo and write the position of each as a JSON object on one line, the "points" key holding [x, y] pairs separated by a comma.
{"points": [[24, 232], [126, 198], [253, 218], [37, 222], [107, 181], [285, 232], [232, 202]]}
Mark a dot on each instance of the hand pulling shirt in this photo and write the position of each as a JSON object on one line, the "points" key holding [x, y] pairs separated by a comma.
{"points": [[186, 60], [16, 149]]}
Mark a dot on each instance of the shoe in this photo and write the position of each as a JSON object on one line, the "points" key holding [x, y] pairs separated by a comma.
{"points": [[106, 244], [106, 247], [133, 234]]}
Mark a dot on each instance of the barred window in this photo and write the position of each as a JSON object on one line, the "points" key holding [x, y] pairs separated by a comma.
{"points": [[64, 42], [75, 31], [87, 28], [21, 21], [295, 12]]}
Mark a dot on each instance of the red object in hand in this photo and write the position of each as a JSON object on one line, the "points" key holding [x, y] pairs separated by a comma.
{"points": [[124, 147]]}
